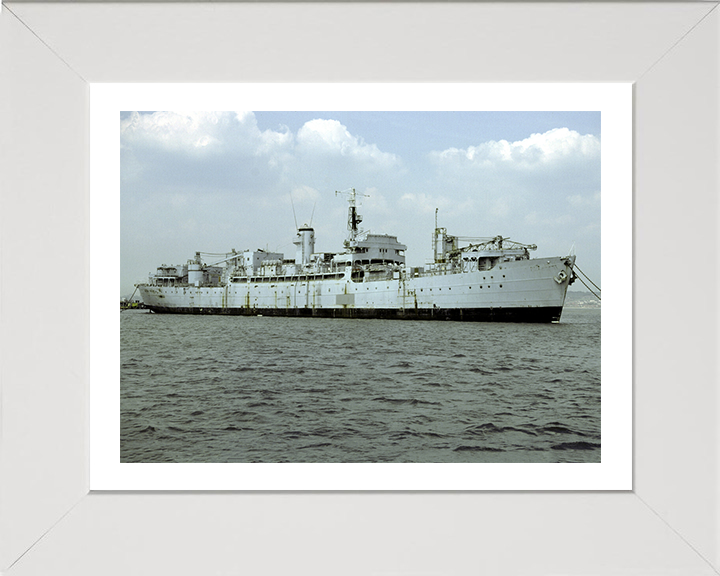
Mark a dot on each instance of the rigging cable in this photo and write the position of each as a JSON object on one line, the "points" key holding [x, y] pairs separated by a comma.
{"points": [[587, 277], [588, 287], [576, 267]]}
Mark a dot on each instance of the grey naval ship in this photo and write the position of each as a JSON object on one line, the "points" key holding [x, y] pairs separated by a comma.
{"points": [[487, 279]]}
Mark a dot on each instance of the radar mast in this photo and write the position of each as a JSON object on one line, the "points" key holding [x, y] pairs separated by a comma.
{"points": [[354, 217]]}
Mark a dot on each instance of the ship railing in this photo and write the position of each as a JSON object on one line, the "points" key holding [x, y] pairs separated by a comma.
{"points": [[291, 279]]}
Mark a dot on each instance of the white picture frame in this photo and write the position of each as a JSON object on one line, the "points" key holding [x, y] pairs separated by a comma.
{"points": [[668, 523]]}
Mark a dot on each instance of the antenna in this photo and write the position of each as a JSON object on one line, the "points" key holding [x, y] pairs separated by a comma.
{"points": [[293, 208], [313, 213]]}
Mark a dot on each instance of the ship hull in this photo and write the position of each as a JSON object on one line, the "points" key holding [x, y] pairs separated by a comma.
{"points": [[520, 291], [527, 314]]}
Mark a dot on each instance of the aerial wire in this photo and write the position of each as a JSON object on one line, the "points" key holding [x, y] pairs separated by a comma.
{"points": [[293, 208], [313, 213]]}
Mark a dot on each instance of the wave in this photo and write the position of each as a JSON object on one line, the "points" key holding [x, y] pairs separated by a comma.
{"points": [[483, 429], [555, 429], [576, 446], [478, 449], [410, 401], [481, 371]]}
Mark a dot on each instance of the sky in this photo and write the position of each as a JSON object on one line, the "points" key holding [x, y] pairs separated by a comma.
{"points": [[214, 181]]}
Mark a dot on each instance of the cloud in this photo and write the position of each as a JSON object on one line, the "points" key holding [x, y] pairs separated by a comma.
{"points": [[524, 180], [186, 131], [200, 132], [554, 147], [227, 151], [330, 138], [204, 152]]}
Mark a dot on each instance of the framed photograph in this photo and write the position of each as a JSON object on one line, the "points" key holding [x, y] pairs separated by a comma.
{"points": [[73, 503], [492, 445]]}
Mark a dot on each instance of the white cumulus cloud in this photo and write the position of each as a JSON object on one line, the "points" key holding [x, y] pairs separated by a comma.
{"points": [[187, 131], [330, 137], [170, 130], [551, 147]]}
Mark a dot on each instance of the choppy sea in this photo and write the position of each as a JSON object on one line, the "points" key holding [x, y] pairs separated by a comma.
{"points": [[268, 389]]}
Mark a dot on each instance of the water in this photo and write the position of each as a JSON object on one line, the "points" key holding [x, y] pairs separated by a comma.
{"points": [[266, 389]]}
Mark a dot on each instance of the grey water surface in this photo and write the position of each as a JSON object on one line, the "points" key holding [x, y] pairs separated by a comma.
{"points": [[270, 389]]}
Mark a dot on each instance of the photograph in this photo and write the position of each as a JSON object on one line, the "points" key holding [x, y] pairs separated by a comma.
{"points": [[360, 287]]}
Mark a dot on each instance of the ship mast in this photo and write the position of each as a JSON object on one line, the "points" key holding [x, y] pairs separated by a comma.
{"points": [[354, 217]]}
